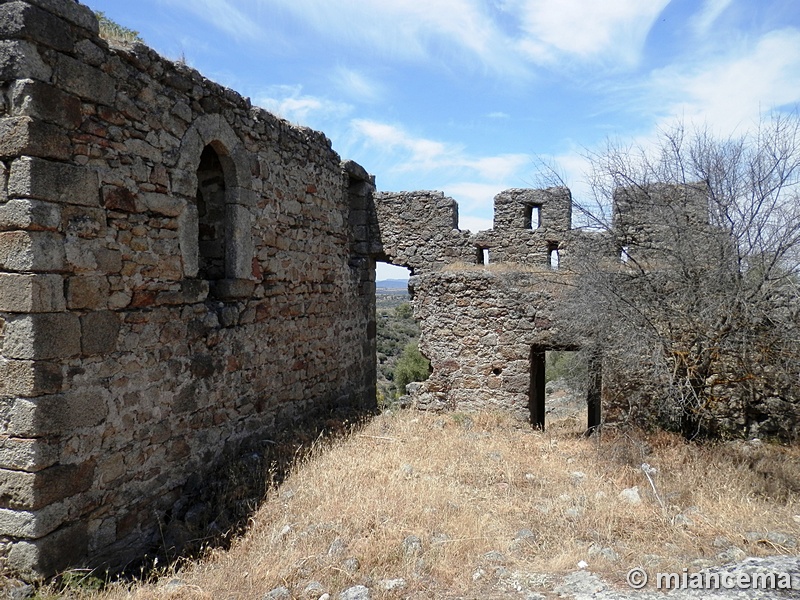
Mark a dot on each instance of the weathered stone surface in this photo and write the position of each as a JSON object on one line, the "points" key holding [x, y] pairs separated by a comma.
{"points": [[239, 249], [230, 289], [118, 198], [43, 101], [26, 378], [52, 181], [20, 136], [84, 80], [39, 251], [72, 12], [99, 332], [22, 20], [87, 292], [31, 215], [32, 525], [33, 491], [58, 414], [54, 552], [188, 228], [23, 454], [21, 60], [162, 204], [42, 336], [23, 293]]}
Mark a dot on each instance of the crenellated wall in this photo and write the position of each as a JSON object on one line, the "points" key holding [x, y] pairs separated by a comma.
{"points": [[480, 319]]}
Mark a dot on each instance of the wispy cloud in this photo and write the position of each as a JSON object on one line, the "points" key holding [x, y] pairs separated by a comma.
{"points": [[473, 197], [507, 37], [711, 11], [587, 30], [289, 102], [224, 15], [437, 30], [730, 92], [357, 85], [418, 153]]}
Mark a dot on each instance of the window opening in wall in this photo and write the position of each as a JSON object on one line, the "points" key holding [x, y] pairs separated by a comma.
{"points": [[624, 256], [553, 255], [211, 215], [398, 358], [533, 215], [482, 256], [561, 388]]}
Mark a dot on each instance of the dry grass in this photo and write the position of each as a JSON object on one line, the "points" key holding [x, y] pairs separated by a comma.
{"points": [[465, 485]]}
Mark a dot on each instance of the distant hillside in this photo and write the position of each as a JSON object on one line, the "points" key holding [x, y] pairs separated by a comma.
{"points": [[392, 284]]}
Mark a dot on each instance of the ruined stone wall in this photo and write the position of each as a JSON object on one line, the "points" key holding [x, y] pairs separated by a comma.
{"points": [[479, 321], [491, 303], [157, 315]]}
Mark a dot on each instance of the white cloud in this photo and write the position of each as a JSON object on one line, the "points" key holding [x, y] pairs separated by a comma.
{"points": [[418, 153], [289, 102], [711, 11], [356, 85], [506, 37], [474, 224], [589, 30], [223, 15], [472, 196], [497, 115], [731, 92], [435, 30], [500, 167]]}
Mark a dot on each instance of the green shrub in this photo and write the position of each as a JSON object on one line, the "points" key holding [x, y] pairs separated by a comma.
{"points": [[411, 366]]}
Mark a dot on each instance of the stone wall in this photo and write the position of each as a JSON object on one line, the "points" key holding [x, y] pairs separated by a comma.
{"points": [[481, 320], [181, 274], [490, 304]]}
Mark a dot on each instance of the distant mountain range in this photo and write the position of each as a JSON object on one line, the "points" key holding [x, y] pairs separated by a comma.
{"points": [[392, 284]]}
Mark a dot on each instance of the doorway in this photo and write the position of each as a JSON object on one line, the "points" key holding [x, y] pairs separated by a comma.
{"points": [[573, 378]]}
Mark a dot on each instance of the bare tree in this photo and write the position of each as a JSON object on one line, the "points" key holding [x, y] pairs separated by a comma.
{"points": [[691, 291]]}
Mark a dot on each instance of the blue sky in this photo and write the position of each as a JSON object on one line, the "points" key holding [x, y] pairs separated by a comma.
{"points": [[466, 96]]}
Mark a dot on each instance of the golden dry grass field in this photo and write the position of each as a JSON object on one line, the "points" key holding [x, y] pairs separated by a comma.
{"points": [[460, 505]]}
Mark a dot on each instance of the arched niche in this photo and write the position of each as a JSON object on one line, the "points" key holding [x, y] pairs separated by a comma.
{"points": [[216, 227]]}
